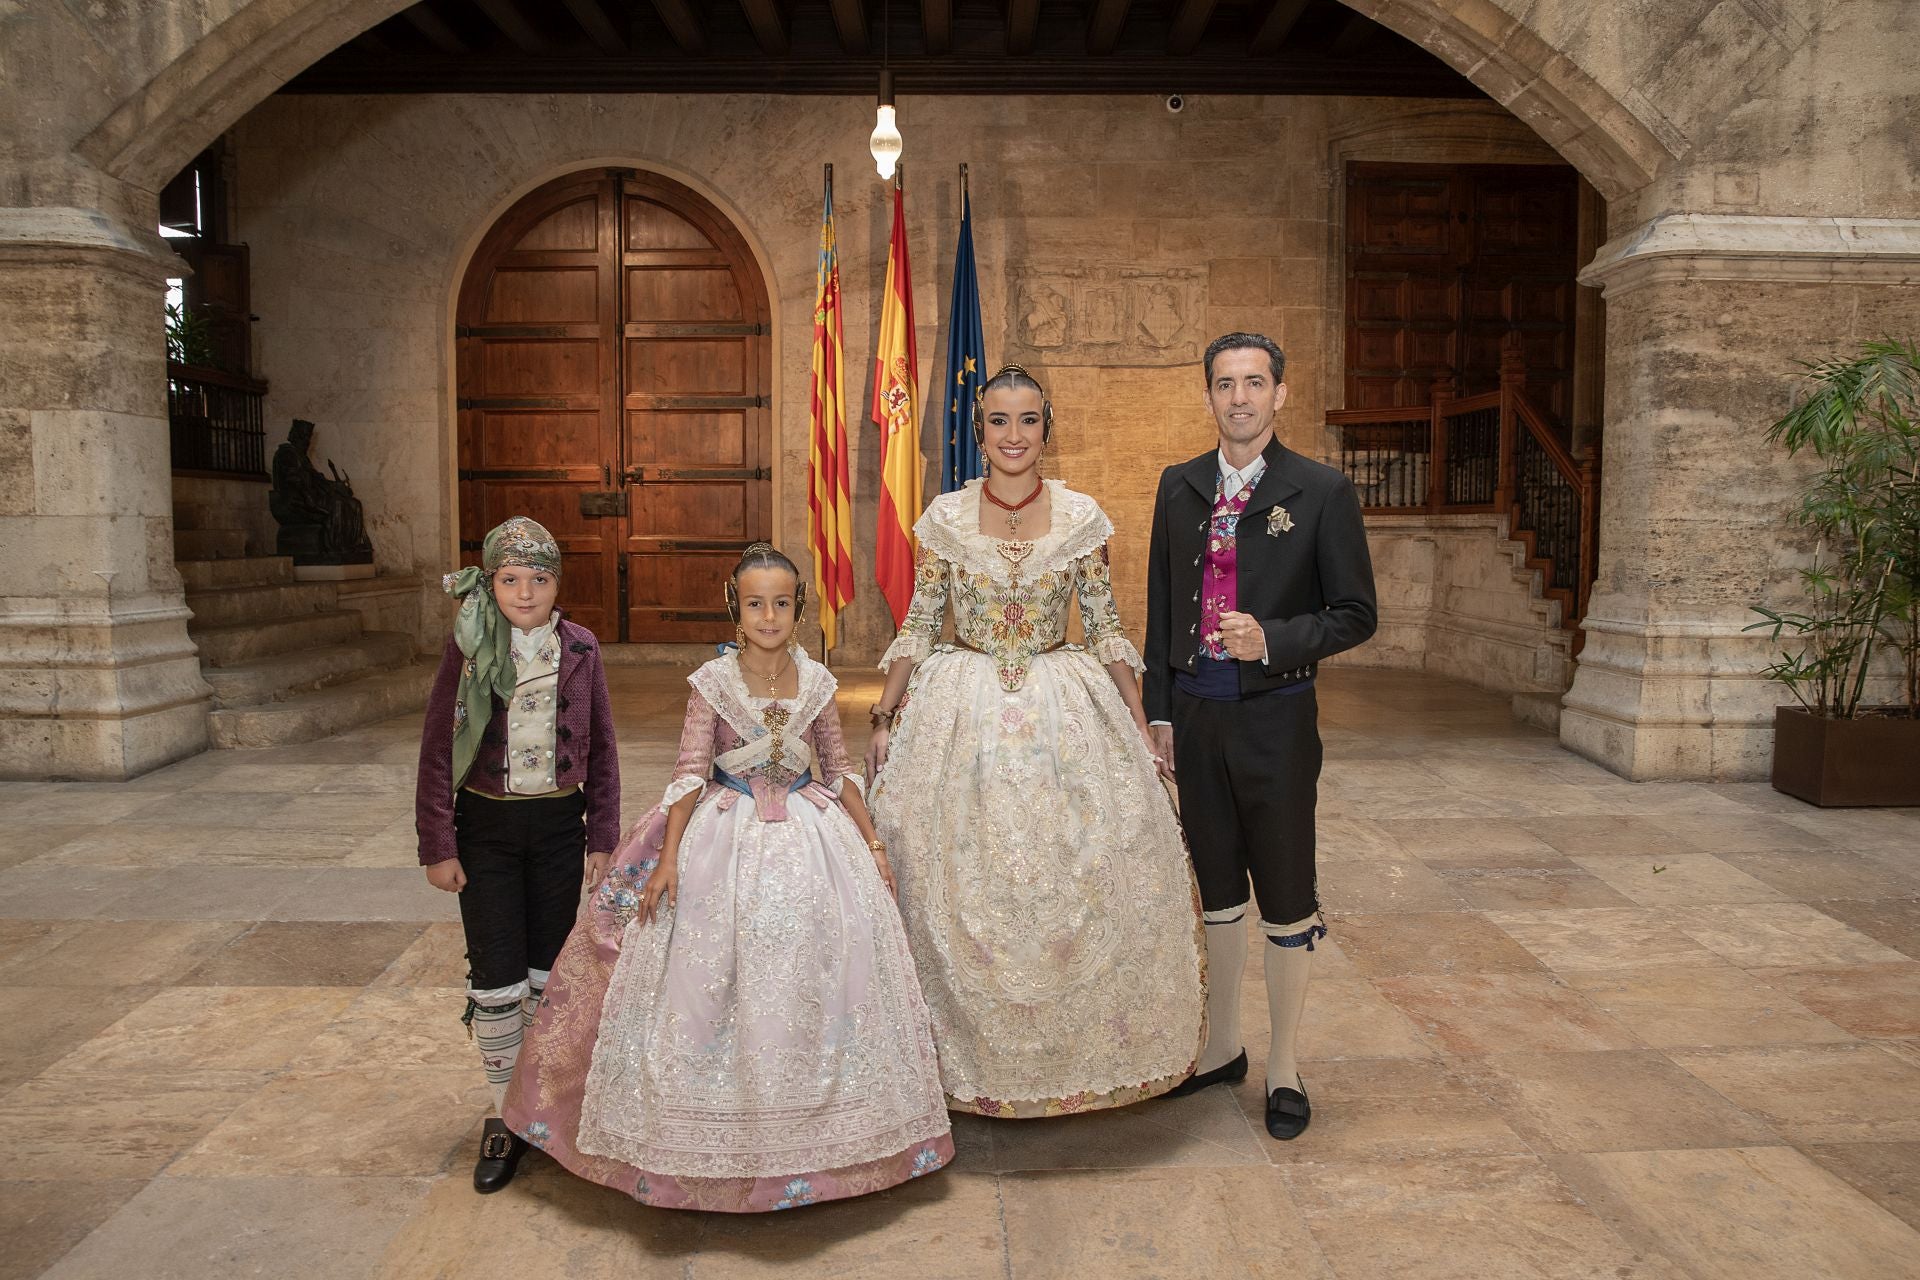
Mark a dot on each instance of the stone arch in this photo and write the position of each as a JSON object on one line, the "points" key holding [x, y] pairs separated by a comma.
{"points": [[242, 59]]}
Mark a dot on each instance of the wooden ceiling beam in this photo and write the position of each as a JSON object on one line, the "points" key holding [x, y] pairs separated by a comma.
{"points": [[423, 19], [1358, 32], [1189, 24], [1104, 24], [769, 27], [1282, 17], [850, 20], [936, 24], [1023, 20], [514, 25], [683, 24], [600, 29]]}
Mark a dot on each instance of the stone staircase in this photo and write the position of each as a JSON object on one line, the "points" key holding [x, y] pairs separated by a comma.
{"points": [[286, 662]]}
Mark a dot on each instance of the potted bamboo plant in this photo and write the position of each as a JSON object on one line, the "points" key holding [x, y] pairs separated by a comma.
{"points": [[1844, 742]]}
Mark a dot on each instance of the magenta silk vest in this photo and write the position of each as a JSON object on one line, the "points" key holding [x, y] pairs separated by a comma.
{"points": [[1219, 575]]}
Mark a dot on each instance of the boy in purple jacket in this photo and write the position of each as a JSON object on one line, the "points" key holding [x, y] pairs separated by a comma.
{"points": [[518, 803]]}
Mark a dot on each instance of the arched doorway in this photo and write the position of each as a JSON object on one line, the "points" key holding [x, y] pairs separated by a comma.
{"points": [[614, 369]]}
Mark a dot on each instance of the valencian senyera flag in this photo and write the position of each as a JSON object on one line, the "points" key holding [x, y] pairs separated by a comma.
{"points": [[829, 496], [896, 411], [966, 361]]}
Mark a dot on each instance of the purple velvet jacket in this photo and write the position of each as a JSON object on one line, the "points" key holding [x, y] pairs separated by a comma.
{"points": [[583, 745]]}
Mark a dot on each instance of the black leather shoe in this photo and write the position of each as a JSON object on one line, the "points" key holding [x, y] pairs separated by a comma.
{"points": [[1233, 1073], [500, 1152], [1288, 1112]]}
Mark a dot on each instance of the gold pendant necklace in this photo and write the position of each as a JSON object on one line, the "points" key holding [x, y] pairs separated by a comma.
{"points": [[773, 681]]}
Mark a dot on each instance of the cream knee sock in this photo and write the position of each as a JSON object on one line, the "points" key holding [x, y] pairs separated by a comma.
{"points": [[497, 1022], [536, 987], [1226, 961], [1287, 969]]}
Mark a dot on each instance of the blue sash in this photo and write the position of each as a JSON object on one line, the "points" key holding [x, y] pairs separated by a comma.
{"points": [[732, 783]]}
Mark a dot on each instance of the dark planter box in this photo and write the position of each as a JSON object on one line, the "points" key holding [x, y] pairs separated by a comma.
{"points": [[1872, 760]]}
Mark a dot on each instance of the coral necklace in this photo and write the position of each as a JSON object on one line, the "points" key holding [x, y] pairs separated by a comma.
{"points": [[1013, 509]]}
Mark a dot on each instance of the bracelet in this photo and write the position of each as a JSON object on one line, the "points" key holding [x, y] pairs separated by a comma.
{"points": [[880, 716], [877, 845]]}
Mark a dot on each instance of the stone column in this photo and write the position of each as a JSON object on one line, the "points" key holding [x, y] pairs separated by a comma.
{"points": [[1707, 319], [97, 677]]}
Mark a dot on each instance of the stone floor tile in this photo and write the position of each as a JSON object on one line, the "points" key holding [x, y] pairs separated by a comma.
{"points": [[394, 1027], [1631, 1100], [1461, 1218], [207, 893], [1430, 942], [1619, 833], [1893, 923], [538, 1227], [44, 1024], [1157, 1223], [1736, 833], [1677, 879], [1530, 888], [22, 940], [1703, 1005], [1765, 1213], [1887, 1173], [24, 840], [1809, 875], [1382, 885], [1205, 1128], [117, 953], [946, 1226], [1618, 938], [1775, 934], [438, 958], [62, 803], [1384, 1109], [1482, 1013], [192, 1228], [1347, 1018], [1817, 1093], [365, 1122], [1894, 831], [211, 1029], [1476, 838], [32, 891], [1874, 1000], [368, 893], [132, 1125], [306, 954], [394, 846], [1354, 840], [40, 1221]]}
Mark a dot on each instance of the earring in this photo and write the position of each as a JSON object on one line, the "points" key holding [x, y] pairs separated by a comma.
{"points": [[740, 636]]}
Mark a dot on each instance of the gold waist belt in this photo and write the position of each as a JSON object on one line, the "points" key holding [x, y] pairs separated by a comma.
{"points": [[958, 643]]}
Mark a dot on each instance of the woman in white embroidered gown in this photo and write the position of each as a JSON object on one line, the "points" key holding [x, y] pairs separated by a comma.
{"points": [[1047, 892], [763, 1044]]}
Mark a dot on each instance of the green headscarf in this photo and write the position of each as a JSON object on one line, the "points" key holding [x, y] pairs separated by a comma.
{"points": [[483, 633]]}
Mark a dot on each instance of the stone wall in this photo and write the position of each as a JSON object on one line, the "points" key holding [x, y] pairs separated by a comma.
{"points": [[1114, 240], [1457, 599]]}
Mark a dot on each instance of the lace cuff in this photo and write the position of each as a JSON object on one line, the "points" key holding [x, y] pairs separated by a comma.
{"points": [[680, 788], [910, 645], [1119, 649]]}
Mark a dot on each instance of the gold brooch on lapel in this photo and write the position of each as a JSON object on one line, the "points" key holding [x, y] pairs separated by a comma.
{"points": [[1278, 522]]}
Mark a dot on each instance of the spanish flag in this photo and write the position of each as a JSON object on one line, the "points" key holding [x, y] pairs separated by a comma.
{"points": [[896, 411], [829, 496]]}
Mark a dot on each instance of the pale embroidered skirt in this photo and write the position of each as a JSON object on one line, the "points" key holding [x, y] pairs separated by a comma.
{"points": [[763, 1046], [1048, 895]]}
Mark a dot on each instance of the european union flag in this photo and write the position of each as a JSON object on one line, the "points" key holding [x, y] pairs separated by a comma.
{"points": [[966, 364]]}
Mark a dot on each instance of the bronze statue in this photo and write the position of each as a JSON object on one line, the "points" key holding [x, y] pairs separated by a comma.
{"points": [[321, 522]]}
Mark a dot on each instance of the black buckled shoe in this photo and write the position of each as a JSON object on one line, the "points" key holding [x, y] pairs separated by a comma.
{"points": [[500, 1152], [1288, 1112], [1233, 1073]]}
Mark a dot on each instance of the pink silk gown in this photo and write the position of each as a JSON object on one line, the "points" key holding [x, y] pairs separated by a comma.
{"points": [[763, 1044]]}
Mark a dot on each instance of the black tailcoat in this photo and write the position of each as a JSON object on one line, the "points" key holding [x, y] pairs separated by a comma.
{"points": [[1310, 585]]}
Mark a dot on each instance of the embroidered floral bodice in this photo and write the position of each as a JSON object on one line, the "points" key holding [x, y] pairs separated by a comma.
{"points": [[766, 743], [1011, 599]]}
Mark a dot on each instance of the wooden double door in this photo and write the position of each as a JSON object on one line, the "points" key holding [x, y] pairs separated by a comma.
{"points": [[614, 368], [1443, 261]]}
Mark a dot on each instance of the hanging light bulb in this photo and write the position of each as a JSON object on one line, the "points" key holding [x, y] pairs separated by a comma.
{"points": [[886, 142]]}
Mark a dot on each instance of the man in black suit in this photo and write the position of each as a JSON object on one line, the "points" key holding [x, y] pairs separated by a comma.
{"points": [[1258, 570]]}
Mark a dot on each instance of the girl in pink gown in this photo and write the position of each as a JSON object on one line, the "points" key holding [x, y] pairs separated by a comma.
{"points": [[735, 1022]]}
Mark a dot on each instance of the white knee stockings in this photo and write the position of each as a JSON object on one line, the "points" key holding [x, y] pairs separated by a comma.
{"points": [[1226, 961], [1289, 960]]}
